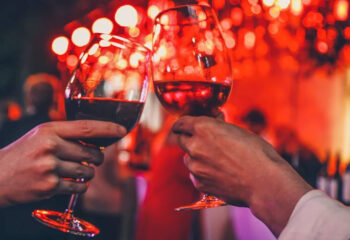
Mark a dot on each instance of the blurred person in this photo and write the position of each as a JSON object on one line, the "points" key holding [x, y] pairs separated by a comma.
{"points": [[40, 93], [168, 187], [255, 121], [297, 153], [244, 170]]}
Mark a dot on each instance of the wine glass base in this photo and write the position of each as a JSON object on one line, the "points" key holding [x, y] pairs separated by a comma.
{"points": [[207, 202], [65, 222]]}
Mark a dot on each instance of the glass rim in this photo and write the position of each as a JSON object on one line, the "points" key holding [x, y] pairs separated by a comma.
{"points": [[203, 6], [124, 40]]}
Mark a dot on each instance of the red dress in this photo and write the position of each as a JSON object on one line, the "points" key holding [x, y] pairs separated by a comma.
{"points": [[169, 187]]}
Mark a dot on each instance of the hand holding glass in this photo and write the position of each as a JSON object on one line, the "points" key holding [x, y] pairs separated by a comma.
{"points": [[191, 67], [109, 84]]}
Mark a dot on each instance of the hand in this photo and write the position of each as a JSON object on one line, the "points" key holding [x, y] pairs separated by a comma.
{"points": [[240, 168], [39, 165]]}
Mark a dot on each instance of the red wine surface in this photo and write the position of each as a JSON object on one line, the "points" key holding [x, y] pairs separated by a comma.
{"points": [[122, 112], [191, 97]]}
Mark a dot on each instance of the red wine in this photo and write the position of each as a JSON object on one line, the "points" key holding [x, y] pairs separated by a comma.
{"points": [[123, 112], [191, 97]]}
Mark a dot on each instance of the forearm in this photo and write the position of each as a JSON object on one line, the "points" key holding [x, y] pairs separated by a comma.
{"points": [[275, 196]]}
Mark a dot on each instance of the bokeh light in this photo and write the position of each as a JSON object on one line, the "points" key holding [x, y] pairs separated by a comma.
{"points": [[81, 36], [102, 25], [126, 16], [60, 45]]}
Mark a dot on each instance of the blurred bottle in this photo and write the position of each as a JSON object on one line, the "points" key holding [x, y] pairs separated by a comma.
{"points": [[346, 186], [323, 180]]}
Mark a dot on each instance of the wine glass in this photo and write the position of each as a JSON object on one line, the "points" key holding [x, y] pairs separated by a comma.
{"points": [[191, 67], [109, 84]]}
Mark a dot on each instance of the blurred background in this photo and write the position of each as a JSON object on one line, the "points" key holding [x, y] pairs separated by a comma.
{"points": [[290, 61], [289, 57]]}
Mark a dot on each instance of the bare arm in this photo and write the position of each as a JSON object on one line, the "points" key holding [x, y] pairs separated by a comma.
{"points": [[240, 168], [37, 165]]}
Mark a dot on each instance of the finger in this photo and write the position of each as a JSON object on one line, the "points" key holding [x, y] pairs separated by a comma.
{"points": [[70, 187], [72, 151], [183, 141], [74, 170], [218, 114], [88, 129], [185, 125]]}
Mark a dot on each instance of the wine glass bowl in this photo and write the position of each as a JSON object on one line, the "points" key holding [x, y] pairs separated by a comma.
{"points": [[191, 67], [110, 84]]}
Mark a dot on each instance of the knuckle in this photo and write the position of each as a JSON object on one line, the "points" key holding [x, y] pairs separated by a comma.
{"points": [[200, 125], [86, 128], [192, 149], [84, 172], [45, 128], [50, 144], [47, 165], [49, 184]]}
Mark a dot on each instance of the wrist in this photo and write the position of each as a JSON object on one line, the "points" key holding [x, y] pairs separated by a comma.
{"points": [[3, 195], [273, 199]]}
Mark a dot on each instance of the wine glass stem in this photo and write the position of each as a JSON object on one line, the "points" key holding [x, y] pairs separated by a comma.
{"points": [[72, 202]]}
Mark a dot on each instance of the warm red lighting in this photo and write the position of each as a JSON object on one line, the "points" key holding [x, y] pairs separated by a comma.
{"points": [[283, 4], [249, 40], [341, 10], [226, 23], [274, 12], [126, 16], [14, 111], [347, 33], [313, 19], [237, 16], [296, 7], [134, 32], [219, 4], [153, 11], [322, 47], [268, 3], [256, 9], [72, 61], [102, 25], [81, 36], [60, 45]]}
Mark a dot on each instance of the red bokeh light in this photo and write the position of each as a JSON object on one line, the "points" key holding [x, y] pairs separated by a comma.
{"points": [[14, 112], [237, 16], [322, 47], [60, 45], [81, 36], [72, 61], [347, 33]]}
